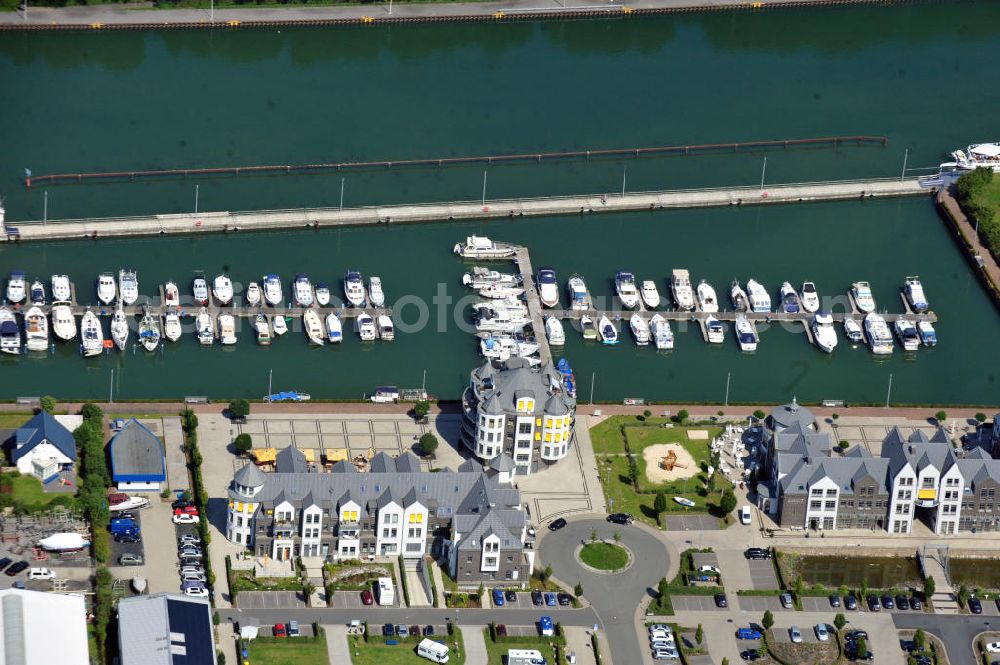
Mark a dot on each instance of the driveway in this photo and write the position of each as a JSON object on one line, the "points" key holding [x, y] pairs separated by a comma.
{"points": [[159, 549], [761, 575]]}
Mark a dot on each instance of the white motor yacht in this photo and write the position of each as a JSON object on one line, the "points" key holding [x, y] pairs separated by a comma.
{"points": [[501, 291], [879, 337], [789, 299], [334, 329], [354, 288], [738, 297], [853, 332], [10, 334], [366, 327], [375, 294], [548, 287], [509, 305], [481, 247], [252, 294], [16, 287], [149, 332], [480, 277], [588, 328], [91, 333], [760, 299], [227, 329], [37, 293], [579, 297], [36, 330], [61, 290], [502, 347], [914, 292], [171, 295], [119, 329], [640, 329], [928, 336], [680, 286], [199, 289], [172, 326], [650, 296], [714, 330], [977, 155], [862, 294], [499, 319], [106, 288], [607, 330], [625, 287], [272, 290], [63, 322], [322, 294], [663, 336], [707, 300], [824, 334], [263, 329], [205, 328], [907, 334], [128, 286], [745, 335], [809, 297], [302, 290], [222, 289], [554, 331], [386, 331], [279, 324], [313, 327]]}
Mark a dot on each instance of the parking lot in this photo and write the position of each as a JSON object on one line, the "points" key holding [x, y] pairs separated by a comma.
{"points": [[271, 600], [118, 548], [682, 522], [341, 600], [762, 574], [761, 603], [808, 634], [694, 603]]}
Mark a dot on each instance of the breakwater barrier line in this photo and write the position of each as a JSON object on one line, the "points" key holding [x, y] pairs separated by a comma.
{"points": [[303, 218], [822, 142]]}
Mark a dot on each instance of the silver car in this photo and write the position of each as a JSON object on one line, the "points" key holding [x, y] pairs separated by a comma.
{"points": [[665, 654], [822, 634], [795, 634], [193, 577]]}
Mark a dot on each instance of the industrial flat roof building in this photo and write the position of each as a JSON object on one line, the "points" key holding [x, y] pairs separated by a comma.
{"points": [[165, 629], [29, 621], [137, 461]]}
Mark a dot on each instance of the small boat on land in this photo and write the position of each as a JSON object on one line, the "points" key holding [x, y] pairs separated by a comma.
{"points": [[252, 294], [548, 287], [227, 329], [907, 334], [119, 329], [149, 332], [313, 327], [375, 294], [61, 290], [16, 289], [366, 327], [650, 296], [279, 324], [684, 501], [663, 336], [171, 295], [501, 291], [607, 331], [588, 328], [199, 289], [789, 299], [386, 331], [63, 322], [10, 334], [745, 335], [680, 287], [37, 293], [263, 329], [91, 334], [554, 331], [128, 286], [322, 294], [578, 297], [106, 288], [272, 290], [824, 334], [879, 337], [206, 331], [809, 297], [568, 378], [302, 290], [862, 294], [222, 289], [625, 287], [172, 326], [714, 330], [914, 292], [928, 336], [64, 542], [640, 329], [354, 288], [334, 329], [36, 330], [853, 332], [707, 300], [480, 277], [481, 247], [759, 298]]}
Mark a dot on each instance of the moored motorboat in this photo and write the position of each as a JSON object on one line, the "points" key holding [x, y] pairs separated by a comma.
{"points": [[171, 295], [263, 329], [607, 330], [824, 334], [745, 335], [914, 292], [61, 290], [680, 287], [366, 327], [928, 336], [322, 294], [302, 290], [650, 296], [760, 299], [149, 332], [354, 288], [36, 330], [499, 319], [579, 297], [626, 290], [907, 334], [386, 331], [106, 288], [199, 289], [789, 299], [714, 330], [503, 347], [376, 296], [481, 247], [554, 331], [548, 287], [738, 297], [128, 286], [172, 326], [879, 337], [119, 328], [861, 292], [663, 336], [279, 324], [252, 294], [707, 300], [313, 327], [588, 328], [568, 378], [63, 322], [227, 329], [205, 328], [272, 290], [809, 297], [222, 289], [91, 334], [501, 291], [334, 329], [10, 334], [853, 332], [976, 156], [37, 293], [16, 287], [480, 277], [640, 329]]}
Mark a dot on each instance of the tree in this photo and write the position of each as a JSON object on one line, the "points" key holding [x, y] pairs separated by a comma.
{"points": [[239, 409], [842, 591], [835, 416], [593, 535], [845, 444], [727, 503], [725, 661], [647, 413], [633, 471], [980, 417], [663, 588], [799, 586], [421, 409], [578, 590], [428, 444], [682, 415], [618, 536], [660, 503], [940, 416], [928, 588], [963, 595], [699, 635], [759, 414], [767, 620], [919, 638], [861, 646], [48, 404], [243, 443], [92, 413], [839, 621], [548, 572]]}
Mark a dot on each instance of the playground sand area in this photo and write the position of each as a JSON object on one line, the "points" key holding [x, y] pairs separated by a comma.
{"points": [[684, 465]]}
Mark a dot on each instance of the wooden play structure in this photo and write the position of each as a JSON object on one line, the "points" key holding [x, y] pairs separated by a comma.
{"points": [[670, 461]]}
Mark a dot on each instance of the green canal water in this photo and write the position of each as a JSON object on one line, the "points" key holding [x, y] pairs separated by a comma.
{"points": [[139, 100]]}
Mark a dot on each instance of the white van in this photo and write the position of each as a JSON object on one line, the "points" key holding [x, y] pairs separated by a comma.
{"points": [[525, 657], [385, 592], [745, 516], [434, 651]]}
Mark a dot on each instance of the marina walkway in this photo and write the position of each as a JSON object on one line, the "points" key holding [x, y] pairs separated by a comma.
{"points": [[435, 212]]}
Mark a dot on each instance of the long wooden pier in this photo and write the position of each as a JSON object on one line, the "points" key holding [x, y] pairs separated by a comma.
{"points": [[305, 218]]}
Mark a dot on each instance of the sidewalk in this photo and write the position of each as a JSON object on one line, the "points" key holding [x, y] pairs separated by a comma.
{"points": [[475, 644], [337, 649]]}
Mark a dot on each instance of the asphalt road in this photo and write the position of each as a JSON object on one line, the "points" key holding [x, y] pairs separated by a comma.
{"points": [[613, 597], [414, 615], [956, 631]]}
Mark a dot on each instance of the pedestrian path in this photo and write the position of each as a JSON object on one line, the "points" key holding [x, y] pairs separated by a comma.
{"points": [[475, 644], [337, 649]]}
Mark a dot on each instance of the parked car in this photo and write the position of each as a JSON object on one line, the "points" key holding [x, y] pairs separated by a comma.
{"points": [[128, 537], [915, 603], [565, 599], [129, 559], [620, 518], [550, 599], [402, 630], [4, 562], [16, 568], [193, 577], [854, 635], [748, 634], [189, 551], [664, 654], [709, 569], [887, 602], [279, 630], [757, 553], [750, 655], [189, 509], [660, 644], [661, 636], [794, 634], [720, 600], [196, 591], [388, 630], [367, 598], [851, 601], [557, 524], [180, 504], [186, 519], [873, 603], [975, 605], [510, 595], [41, 574], [537, 598], [293, 629], [498, 597], [502, 629], [822, 634], [746, 517], [902, 602], [192, 568], [786, 600], [993, 647], [428, 630], [188, 539], [834, 600]]}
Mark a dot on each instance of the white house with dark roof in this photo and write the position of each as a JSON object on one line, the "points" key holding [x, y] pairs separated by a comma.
{"points": [[43, 447]]}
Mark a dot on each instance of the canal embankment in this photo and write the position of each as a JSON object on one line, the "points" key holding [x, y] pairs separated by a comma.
{"points": [[979, 256], [485, 209]]}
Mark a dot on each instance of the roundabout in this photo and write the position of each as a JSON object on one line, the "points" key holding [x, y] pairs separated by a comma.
{"points": [[604, 557]]}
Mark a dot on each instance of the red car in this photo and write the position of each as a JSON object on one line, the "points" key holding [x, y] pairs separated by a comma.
{"points": [[187, 510], [279, 630], [367, 598]]}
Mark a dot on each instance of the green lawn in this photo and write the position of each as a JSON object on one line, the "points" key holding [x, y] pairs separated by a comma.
{"points": [[288, 651], [244, 580], [604, 556], [14, 420], [496, 652], [27, 491], [991, 196], [373, 653]]}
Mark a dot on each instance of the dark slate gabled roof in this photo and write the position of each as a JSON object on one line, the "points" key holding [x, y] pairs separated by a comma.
{"points": [[407, 463], [382, 463], [43, 427], [290, 460], [137, 454], [388, 496], [343, 466], [503, 463]]}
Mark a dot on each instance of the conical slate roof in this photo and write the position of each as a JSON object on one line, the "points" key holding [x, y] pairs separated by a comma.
{"points": [[249, 476]]}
